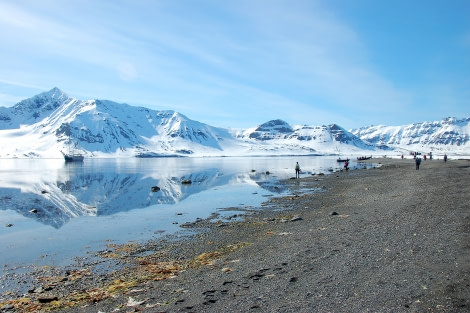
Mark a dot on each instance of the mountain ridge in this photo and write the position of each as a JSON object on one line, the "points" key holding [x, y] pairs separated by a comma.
{"points": [[52, 121]]}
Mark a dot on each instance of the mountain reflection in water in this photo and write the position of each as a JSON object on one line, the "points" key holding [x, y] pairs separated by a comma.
{"points": [[53, 193]]}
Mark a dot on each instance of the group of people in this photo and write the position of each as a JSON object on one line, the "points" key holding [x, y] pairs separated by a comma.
{"points": [[418, 159], [346, 163]]}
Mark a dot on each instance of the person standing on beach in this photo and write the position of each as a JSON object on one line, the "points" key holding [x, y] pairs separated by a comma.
{"points": [[297, 170], [418, 162], [445, 157], [346, 165]]}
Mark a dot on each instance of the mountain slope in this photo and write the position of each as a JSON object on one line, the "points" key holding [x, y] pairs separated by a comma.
{"points": [[447, 135], [33, 110], [99, 127]]}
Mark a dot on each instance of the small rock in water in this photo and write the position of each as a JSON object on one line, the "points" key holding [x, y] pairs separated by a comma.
{"points": [[8, 225]]}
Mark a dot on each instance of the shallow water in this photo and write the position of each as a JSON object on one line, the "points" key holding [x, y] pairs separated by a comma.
{"points": [[52, 211]]}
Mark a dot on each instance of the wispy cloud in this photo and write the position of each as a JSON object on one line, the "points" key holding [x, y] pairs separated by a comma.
{"points": [[212, 60]]}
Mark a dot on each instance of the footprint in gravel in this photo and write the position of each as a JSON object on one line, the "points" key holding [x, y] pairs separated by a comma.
{"points": [[210, 301], [209, 293], [256, 276], [210, 296], [244, 285], [281, 269], [259, 274]]}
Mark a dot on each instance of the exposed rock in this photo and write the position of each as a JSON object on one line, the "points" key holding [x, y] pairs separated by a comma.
{"points": [[296, 218]]}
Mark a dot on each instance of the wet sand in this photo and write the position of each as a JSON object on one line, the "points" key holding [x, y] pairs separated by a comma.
{"points": [[392, 239]]}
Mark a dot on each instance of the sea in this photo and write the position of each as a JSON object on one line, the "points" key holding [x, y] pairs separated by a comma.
{"points": [[52, 211]]}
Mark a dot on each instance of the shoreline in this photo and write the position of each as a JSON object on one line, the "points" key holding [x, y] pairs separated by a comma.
{"points": [[389, 239]]}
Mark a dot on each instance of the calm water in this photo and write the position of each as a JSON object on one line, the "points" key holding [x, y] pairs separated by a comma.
{"points": [[58, 211]]}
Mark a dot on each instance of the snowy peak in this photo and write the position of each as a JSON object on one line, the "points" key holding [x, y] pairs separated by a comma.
{"points": [[340, 134], [278, 126], [33, 110], [343, 136], [274, 129]]}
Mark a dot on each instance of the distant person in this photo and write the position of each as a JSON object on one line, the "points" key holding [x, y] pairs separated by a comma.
{"points": [[445, 157], [402, 156], [418, 162], [346, 165], [297, 170]]}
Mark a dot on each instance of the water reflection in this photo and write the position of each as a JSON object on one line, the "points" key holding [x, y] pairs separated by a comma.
{"points": [[53, 192], [60, 211]]}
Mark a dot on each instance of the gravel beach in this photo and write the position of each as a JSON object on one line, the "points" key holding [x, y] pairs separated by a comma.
{"points": [[389, 239]]}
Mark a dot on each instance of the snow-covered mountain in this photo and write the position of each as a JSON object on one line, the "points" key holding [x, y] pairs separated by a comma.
{"points": [[51, 122], [450, 135], [331, 139]]}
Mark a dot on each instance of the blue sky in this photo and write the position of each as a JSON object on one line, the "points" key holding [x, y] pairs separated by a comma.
{"points": [[240, 63]]}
